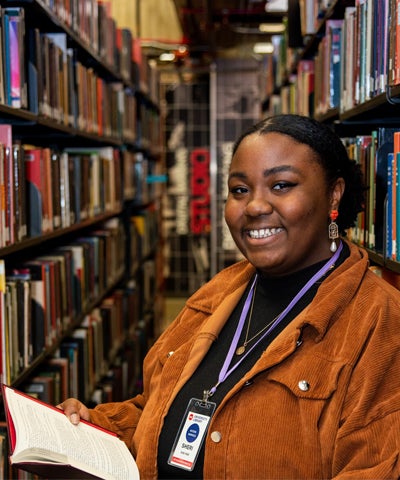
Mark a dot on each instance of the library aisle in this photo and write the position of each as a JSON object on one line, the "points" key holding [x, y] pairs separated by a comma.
{"points": [[117, 124], [173, 305]]}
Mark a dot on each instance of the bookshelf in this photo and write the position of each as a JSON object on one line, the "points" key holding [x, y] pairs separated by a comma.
{"points": [[81, 181], [351, 82]]}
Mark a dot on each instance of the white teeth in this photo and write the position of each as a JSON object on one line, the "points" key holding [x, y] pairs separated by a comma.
{"points": [[264, 232]]}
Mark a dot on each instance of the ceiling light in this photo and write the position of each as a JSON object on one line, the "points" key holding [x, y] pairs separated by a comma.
{"points": [[263, 48], [276, 6], [271, 27], [167, 57]]}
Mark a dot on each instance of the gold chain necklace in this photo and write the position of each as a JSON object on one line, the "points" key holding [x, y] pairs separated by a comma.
{"points": [[240, 350]]}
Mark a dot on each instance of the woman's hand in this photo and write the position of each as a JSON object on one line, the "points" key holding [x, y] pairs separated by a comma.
{"points": [[74, 410]]}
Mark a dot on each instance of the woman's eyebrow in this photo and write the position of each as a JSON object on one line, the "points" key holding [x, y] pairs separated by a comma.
{"points": [[281, 168], [266, 173], [240, 175]]}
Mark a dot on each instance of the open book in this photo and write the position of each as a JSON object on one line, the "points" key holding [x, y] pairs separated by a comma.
{"points": [[43, 441]]}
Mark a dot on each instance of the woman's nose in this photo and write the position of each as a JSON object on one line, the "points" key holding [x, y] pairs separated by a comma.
{"points": [[258, 205]]}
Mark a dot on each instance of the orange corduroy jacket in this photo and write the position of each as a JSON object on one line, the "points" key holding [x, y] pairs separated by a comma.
{"points": [[323, 401]]}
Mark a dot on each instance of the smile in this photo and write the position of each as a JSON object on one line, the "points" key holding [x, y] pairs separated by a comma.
{"points": [[264, 232]]}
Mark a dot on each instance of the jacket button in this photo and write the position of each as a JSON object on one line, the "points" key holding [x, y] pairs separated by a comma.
{"points": [[169, 354], [216, 436], [304, 385]]}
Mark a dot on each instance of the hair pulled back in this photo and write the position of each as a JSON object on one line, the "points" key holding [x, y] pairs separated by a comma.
{"points": [[330, 153]]}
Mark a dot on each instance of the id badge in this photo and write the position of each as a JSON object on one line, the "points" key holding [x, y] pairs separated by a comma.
{"points": [[191, 434]]}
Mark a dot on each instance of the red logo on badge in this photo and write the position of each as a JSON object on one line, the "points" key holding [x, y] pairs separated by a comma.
{"points": [[190, 416]]}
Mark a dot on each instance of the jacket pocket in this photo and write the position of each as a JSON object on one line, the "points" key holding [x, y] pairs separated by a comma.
{"points": [[314, 378]]}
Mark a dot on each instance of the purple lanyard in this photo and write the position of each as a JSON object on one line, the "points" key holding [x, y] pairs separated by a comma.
{"points": [[225, 371]]}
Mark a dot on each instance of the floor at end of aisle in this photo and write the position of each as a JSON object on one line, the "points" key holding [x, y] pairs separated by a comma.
{"points": [[173, 305]]}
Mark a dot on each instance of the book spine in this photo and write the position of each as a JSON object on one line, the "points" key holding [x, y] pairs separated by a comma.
{"points": [[396, 255], [34, 172], [8, 184], [3, 351]]}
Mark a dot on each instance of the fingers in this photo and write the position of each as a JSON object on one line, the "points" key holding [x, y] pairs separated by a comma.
{"points": [[74, 410]]}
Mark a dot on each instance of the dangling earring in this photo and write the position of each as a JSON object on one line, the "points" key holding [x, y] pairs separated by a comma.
{"points": [[333, 230]]}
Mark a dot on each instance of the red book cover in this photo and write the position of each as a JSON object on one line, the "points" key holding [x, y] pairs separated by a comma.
{"points": [[47, 191], [34, 184]]}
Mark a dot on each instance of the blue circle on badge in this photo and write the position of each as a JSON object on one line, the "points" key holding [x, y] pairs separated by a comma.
{"points": [[192, 432]]}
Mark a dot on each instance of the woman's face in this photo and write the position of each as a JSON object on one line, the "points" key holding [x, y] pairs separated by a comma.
{"points": [[278, 204]]}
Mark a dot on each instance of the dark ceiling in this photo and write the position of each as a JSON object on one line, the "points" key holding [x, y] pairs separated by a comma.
{"points": [[211, 26]]}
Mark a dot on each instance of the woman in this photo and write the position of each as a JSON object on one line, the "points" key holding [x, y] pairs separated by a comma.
{"points": [[286, 364]]}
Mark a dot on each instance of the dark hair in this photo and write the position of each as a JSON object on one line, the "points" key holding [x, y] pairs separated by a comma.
{"points": [[330, 153]]}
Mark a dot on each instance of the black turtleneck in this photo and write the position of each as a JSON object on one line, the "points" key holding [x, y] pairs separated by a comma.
{"points": [[272, 296]]}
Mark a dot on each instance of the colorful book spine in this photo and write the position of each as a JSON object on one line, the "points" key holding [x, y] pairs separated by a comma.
{"points": [[6, 142], [396, 151], [371, 176], [14, 53], [3, 344], [396, 255], [389, 208], [34, 184]]}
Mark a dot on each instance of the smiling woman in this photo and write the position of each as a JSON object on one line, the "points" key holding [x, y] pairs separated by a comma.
{"points": [[279, 218], [285, 364]]}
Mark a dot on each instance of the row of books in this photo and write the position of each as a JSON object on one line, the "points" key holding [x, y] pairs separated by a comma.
{"points": [[303, 90], [86, 361], [369, 45], [378, 226], [92, 22], [150, 178], [148, 129], [311, 12], [62, 88], [357, 59], [46, 77], [52, 383], [42, 297], [143, 178], [43, 189], [285, 90], [369, 39], [144, 227], [315, 88], [64, 188], [328, 66]]}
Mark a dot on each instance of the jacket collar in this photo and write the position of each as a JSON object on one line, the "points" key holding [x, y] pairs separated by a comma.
{"points": [[332, 296]]}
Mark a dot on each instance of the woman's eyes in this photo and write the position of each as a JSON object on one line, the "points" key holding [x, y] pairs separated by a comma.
{"points": [[278, 186], [282, 185], [238, 190]]}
